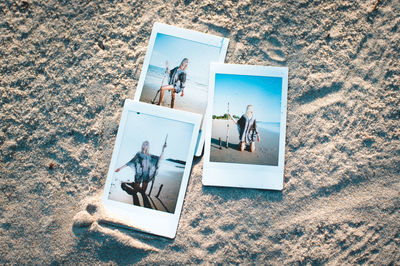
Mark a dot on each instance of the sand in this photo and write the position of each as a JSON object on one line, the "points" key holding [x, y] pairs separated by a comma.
{"points": [[61, 101], [266, 152]]}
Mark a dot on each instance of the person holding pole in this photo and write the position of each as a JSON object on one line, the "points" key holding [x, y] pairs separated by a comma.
{"points": [[146, 168], [227, 131]]}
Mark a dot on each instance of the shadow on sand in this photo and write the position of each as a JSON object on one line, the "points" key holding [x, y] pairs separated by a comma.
{"points": [[215, 144]]}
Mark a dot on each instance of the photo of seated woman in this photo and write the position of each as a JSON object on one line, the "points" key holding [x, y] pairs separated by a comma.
{"points": [[177, 73]]}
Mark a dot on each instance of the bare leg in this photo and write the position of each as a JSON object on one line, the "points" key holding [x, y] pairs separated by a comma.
{"points": [[172, 98], [252, 146], [242, 145], [161, 95], [162, 92]]}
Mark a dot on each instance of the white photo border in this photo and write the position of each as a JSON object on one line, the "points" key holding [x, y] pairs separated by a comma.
{"points": [[141, 218], [188, 35], [245, 175]]}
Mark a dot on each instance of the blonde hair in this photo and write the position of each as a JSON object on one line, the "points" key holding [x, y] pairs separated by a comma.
{"points": [[183, 60], [249, 111], [146, 143]]}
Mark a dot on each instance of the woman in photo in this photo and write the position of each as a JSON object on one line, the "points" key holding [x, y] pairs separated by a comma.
{"points": [[176, 82], [247, 128], [146, 168]]}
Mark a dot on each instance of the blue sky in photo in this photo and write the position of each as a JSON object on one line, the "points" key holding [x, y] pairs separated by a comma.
{"points": [[264, 93], [140, 127], [174, 49]]}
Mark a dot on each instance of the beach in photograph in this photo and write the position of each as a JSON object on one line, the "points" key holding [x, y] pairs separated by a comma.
{"points": [[195, 94], [169, 176], [266, 153]]}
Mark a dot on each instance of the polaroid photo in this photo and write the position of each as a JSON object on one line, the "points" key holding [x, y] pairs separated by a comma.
{"points": [[246, 127], [150, 167], [176, 68]]}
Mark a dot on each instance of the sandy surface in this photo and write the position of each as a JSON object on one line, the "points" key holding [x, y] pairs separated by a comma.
{"points": [[266, 153], [67, 66]]}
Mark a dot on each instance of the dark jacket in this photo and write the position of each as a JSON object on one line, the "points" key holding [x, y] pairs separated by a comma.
{"points": [[247, 129], [144, 174], [177, 78]]}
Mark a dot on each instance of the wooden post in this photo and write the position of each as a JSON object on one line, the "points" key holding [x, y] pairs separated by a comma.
{"points": [[159, 191], [157, 165], [162, 82], [227, 130], [172, 98], [220, 144]]}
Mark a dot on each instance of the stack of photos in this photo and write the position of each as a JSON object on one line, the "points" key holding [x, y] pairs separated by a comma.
{"points": [[176, 70], [245, 137], [160, 130], [187, 99]]}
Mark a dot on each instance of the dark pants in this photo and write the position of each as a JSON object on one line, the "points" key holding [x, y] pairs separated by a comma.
{"points": [[133, 188]]}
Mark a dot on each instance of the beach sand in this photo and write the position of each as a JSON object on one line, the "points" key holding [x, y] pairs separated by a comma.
{"points": [[266, 153], [66, 68]]}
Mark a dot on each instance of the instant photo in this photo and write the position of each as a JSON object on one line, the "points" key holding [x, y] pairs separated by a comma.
{"points": [[246, 126], [176, 68], [150, 166]]}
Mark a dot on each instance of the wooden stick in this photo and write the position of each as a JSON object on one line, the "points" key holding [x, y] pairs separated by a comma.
{"points": [[157, 165], [159, 191], [227, 130], [162, 82]]}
